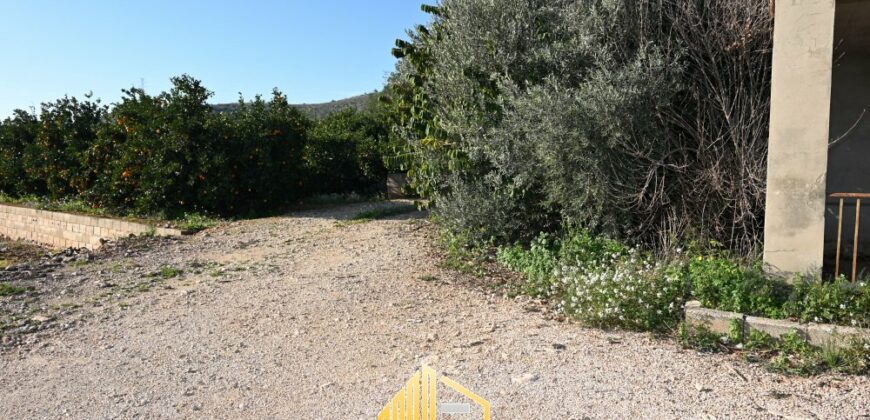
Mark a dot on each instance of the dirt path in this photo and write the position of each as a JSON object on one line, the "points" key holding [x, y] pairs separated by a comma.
{"points": [[301, 318]]}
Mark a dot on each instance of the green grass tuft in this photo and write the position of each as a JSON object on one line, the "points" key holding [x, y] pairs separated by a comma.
{"points": [[168, 272], [195, 222], [7, 289]]}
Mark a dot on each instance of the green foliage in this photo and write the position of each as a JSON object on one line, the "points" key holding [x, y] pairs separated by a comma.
{"points": [[264, 148], [797, 357], [7, 289], [837, 302], [168, 272], [48, 154], [756, 340], [346, 153], [700, 338], [17, 146], [170, 154], [723, 283], [790, 354], [539, 263], [485, 211], [68, 204], [461, 255], [601, 282], [536, 115], [195, 222]]}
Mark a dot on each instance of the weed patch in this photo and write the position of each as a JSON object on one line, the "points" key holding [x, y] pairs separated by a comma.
{"points": [[7, 289], [790, 355], [165, 273], [168, 272], [195, 222]]}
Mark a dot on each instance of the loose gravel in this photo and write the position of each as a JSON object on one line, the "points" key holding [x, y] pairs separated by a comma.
{"points": [[305, 317]]}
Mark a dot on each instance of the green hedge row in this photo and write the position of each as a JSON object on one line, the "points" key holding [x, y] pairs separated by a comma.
{"points": [[171, 153]]}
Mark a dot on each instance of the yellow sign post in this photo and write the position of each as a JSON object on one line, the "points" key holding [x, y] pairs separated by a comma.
{"points": [[418, 400]]}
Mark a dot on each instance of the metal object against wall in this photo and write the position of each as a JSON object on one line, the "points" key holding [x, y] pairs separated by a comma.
{"points": [[843, 197]]}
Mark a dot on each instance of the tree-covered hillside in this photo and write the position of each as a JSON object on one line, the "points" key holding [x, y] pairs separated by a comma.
{"points": [[322, 110]]}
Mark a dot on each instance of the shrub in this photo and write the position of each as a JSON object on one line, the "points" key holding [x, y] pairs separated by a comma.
{"points": [[159, 152], [725, 284], [838, 302], [604, 283], [263, 166], [17, 144], [346, 153], [68, 128], [170, 154], [640, 120], [601, 282], [631, 293], [484, 210], [539, 263]]}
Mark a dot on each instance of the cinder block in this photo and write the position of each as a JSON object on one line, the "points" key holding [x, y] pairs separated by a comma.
{"points": [[716, 321], [776, 328], [825, 334]]}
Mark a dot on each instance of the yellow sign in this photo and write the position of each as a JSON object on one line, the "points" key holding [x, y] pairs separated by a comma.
{"points": [[418, 400]]}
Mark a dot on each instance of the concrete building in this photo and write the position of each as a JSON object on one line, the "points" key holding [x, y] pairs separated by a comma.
{"points": [[819, 134]]}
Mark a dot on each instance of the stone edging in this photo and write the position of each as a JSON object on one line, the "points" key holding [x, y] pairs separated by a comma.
{"points": [[816, 334], [64, 230]]}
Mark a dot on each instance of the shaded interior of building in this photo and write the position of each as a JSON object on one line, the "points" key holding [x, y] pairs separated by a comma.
{"points": [[849, 151]]}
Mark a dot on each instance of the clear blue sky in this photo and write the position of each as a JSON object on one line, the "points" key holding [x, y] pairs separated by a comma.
{"points": [[313, 50]]}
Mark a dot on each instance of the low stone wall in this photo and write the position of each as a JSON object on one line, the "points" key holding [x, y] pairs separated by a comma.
{"points": [[63, 230], [816, 334]]}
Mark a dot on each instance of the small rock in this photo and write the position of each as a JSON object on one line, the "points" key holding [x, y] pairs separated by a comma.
{"points": [[559, 346], [525, 379], [40, 319]]}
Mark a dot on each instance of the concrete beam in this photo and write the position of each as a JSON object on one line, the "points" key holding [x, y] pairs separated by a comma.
{"points": [[799, 129]]}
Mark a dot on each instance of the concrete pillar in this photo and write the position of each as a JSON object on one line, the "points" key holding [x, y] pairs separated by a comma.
{"points": [[799, 128]]}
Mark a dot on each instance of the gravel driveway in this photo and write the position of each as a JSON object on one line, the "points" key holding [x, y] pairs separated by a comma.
{"points": [[302, 317]]}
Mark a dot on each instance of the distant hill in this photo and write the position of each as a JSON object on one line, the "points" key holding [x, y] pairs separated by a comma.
{"points": [[318, 111]]}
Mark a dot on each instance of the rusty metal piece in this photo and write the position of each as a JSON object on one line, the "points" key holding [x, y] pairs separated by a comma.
{"points": [[850, 195], [842, 197], [839, 238], [855, 246]]}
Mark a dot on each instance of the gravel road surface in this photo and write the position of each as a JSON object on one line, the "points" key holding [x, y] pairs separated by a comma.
{"points": [[308, 317]]}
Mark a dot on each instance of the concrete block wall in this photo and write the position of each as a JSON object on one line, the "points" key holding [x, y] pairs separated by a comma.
{"points": [[816, 334], [63, 230]]}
